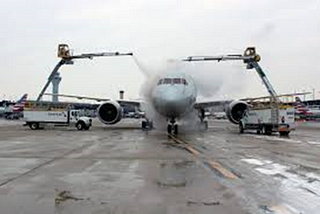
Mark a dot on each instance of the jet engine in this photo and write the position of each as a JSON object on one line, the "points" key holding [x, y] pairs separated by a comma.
{"points": [[235, 111], [110, 112]]}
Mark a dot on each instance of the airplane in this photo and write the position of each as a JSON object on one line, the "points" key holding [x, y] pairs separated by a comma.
{"points": [[20, 104], [15, 111], [172, 95], [306, 112]]}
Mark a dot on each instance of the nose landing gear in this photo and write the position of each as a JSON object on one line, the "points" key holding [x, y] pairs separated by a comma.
{"points": [[172, 127]]}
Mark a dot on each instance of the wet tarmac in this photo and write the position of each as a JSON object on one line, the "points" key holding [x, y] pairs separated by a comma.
{"points": [[122, 169]]}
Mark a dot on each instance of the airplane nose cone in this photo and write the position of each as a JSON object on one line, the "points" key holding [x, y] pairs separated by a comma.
{"points": [[172, 102], [172, 97]]}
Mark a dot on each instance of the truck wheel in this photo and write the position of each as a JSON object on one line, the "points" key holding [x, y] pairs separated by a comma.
{"points": [[268, 131], [144, 124], [80, 125], [241, 129], [263, 130], [34, 126], [87, 128], [284, 133]]}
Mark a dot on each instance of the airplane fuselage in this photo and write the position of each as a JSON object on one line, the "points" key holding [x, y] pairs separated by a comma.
{"points": [[174, 95]]}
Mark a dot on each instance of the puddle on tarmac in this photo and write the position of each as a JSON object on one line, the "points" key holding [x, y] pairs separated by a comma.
{"points": [[174, 174]]}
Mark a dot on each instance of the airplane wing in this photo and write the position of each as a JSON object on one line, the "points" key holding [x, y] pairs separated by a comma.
{"points": [[223, 103], [79, 97], [280, 96], [135, 103], [208, 104]]}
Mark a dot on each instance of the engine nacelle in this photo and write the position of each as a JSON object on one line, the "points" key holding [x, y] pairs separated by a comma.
{"points": [[235, 111], [110, 112]]}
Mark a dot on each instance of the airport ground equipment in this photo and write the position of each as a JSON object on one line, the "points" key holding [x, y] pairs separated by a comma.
{"points": [[251, 59], [259, 117], [67, 58], [37, 118]]}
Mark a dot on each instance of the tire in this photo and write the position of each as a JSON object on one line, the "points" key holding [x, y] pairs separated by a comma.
{"points": [[150, 125], [169, 128], [80, 126], [241, 129], [34, 126], [258, 131], [267, 131], [143, 124], [87, 128], [263, 130], [284, 133], [175, 129], [205, 125]]}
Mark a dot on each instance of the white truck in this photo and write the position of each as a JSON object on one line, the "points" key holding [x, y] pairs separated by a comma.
{"points": [[268, 120], [38, 118]]}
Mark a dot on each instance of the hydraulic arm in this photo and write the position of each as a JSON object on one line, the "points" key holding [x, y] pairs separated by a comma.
{"points": [[67, 59], [250, 58]]}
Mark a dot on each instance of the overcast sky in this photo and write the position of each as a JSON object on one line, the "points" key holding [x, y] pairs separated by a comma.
{"points": [[286, 33]]}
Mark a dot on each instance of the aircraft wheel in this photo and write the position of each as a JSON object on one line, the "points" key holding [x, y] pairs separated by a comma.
{"points": [[206, 125], [144, 124], [169, 128], [175, 129], [150, 124], [241, 129]]}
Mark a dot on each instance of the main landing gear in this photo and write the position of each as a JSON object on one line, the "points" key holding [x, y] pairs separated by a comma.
{"points": [[203, 119], [172, 127], [146, 125]]}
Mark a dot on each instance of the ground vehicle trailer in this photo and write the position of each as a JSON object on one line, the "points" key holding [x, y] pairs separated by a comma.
{"points": [[37, 118], [267, 119]]}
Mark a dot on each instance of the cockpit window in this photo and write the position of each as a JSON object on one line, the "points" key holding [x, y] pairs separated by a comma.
{"points": [[175, 81], [184, 81], [167, 81]]}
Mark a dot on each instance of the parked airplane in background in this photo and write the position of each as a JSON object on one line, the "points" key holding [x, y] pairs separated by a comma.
{"points": [[306, 112], [15, 111]]}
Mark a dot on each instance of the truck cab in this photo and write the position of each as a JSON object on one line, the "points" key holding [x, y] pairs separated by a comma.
{"points": [[81, 122]]}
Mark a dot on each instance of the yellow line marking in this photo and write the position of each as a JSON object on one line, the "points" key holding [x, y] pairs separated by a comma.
{"points": [[193, 151], [176, 139], [226, 173], [280, 209], [214, 164]]}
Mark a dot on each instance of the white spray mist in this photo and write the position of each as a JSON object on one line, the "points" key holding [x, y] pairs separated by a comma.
{"points": [[209, 79]]}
